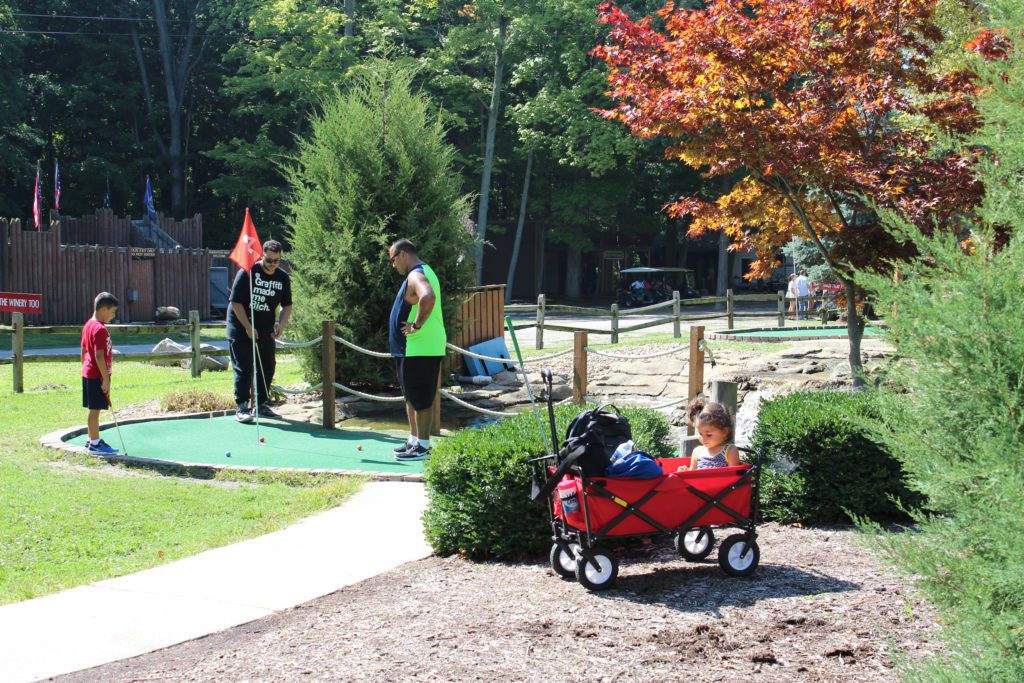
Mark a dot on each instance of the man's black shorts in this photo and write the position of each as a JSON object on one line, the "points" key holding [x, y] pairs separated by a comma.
{"points": [[93, 397], [418, 377]]}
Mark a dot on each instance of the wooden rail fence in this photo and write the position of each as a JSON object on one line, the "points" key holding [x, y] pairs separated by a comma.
{"points": [[69, 276], [676, 317]]}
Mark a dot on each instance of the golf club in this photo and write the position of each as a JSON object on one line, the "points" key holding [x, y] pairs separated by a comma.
{"points": [[529, 389], [124, 449], [545, 374]]}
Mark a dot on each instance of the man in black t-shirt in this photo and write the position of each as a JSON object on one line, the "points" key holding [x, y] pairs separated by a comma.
{"points": [[271, 288]]}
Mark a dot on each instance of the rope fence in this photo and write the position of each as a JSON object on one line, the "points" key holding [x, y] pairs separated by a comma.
{"points": [[697, 348]]}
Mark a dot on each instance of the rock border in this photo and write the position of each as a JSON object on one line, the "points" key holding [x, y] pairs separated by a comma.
{"points": [[58, 440], [745, 334]]}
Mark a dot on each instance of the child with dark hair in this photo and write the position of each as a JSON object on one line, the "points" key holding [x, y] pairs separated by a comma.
{"points": [[715, 428], [97, 363]]}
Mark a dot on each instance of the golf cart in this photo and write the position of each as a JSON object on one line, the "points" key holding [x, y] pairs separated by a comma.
{"points": [[643, 286]]}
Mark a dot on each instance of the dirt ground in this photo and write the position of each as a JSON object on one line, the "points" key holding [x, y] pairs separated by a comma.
{"points": [[819, 608]]}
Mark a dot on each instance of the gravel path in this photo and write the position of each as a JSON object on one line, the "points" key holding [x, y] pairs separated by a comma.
{"points": [[819, 608]]}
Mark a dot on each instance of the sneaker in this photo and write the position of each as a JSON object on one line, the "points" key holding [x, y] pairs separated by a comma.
{"points": [[242, 414], [401, 448], [101, 447], [414, 453], [265, 412]]}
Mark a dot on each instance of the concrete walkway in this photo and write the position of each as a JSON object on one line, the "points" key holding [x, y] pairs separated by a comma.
{"points": [[378, 529]]}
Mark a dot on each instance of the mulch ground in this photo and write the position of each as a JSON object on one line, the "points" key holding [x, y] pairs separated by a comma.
{"points": [[819, 608]]}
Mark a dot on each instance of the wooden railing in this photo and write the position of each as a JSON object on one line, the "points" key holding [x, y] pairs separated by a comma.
{"points": [[676, 317], [18, 331]]}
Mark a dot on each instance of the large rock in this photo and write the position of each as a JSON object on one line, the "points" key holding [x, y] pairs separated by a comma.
{"points": [[167, 314]]}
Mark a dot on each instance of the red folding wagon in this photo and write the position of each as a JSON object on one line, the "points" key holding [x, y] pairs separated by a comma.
{"points": [[588, 511]]}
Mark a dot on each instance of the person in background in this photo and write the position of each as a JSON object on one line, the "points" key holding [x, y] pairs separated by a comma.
{"points": [[791, 295], [803, 291]]}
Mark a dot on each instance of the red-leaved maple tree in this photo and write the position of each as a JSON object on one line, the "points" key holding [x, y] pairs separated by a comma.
{"points": [[823, 110]]}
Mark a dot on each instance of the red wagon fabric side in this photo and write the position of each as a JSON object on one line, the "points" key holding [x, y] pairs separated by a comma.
{"points": [[672, 504]]}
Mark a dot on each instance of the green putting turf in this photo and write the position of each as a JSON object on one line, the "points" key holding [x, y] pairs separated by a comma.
{"points": [[804, 332], [205, 441]]}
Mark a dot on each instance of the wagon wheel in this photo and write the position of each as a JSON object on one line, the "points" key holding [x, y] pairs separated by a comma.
{"points": [[563, 559], [602, 576], [736, 558], [695, 544]]}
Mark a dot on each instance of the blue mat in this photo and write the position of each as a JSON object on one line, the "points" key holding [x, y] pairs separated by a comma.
{"points": [[492, 347]]}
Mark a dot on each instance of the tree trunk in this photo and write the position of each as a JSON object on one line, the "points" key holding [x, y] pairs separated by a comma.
{"points": [[492, 124], [722, 281], [350, 14], [510, 281], [177, 63], [539, 255], [855, 331], [573, 267]]}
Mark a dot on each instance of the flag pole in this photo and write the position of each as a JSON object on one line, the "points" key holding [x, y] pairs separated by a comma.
{"points": [[252, 326]]}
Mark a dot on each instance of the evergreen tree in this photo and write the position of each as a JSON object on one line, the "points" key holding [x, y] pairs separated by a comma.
{"points": [[374, 168], [958, 422]]}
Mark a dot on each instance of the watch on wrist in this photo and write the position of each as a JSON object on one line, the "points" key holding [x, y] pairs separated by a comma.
{"points": [[414, 325]]}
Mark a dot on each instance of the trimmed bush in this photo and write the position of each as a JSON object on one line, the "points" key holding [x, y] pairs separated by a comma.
{"points": [[823, 461], [478, 484], [196, 401]]}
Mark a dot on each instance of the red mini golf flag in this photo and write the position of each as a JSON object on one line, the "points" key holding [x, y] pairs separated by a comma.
{"points": [[37, 201], [248, 250]]}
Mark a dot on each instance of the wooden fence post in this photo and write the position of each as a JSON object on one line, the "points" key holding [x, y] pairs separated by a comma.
{"points": [[197, 353], [615, 323], [579, 368], [675, 315], [782, 307], [695, 369], [327, 373], [540, 321], [18, 351], [730, 309], [726, 393], [824, 312]]}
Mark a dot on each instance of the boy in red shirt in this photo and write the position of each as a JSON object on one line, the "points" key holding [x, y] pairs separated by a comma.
{"points": [[97, 359]]}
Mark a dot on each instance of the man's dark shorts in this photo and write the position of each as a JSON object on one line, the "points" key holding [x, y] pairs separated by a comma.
{"points": [[418, 377], [93, 397]]}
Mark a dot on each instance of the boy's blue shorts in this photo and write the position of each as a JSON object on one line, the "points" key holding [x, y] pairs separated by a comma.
{"points": [[93, 397]]}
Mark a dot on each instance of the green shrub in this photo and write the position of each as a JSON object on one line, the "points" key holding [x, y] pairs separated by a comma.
{"points": [[196, 401], [478, 484], [824, 461]]}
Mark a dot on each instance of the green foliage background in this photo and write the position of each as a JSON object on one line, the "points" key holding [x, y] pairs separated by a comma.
{"points": [[374, 168], [957, 423]]}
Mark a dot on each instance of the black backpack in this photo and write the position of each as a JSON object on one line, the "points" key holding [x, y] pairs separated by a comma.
{"points": [[590, 441]]}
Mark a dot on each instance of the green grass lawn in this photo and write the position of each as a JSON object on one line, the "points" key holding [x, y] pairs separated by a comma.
{"points": [[69, 520]]}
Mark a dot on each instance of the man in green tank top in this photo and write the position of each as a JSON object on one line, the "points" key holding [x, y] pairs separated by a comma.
{"points": [[418, 343]]}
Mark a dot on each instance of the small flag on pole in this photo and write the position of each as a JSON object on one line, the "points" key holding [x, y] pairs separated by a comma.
{"points": [[147, 199], [248, 250], [56, 185], [37, 200]]}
